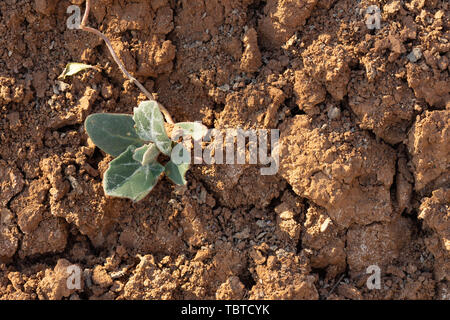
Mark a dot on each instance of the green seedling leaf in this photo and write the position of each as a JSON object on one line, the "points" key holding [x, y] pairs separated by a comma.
{"points": [[139, 153], [128, 178], [112, 133], [151, 154], [176, 172], [73, 68], [146, 154], [178, 165], [194, 129], [150, 125]]}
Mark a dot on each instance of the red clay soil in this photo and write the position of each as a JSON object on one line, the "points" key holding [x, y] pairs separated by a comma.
{"points": [[364, 173]]}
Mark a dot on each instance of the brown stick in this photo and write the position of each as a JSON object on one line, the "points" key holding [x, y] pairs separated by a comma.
{"points": [[122, 68]]}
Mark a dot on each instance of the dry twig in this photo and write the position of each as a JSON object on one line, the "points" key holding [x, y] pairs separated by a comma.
{"points": [[83, 26]]}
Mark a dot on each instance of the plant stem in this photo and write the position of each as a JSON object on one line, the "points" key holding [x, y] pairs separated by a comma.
{"points": [[83, 26]]}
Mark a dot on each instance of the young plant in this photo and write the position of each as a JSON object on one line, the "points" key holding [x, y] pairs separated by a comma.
{"points": [[136, 142]]}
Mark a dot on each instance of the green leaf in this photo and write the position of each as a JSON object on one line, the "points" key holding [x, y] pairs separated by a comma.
{"points": [[178, 165], [194, 129], [127, 178], [176, 172], [146, 154], [138, 154], [73, 68], [112, 133], [150, 125]]}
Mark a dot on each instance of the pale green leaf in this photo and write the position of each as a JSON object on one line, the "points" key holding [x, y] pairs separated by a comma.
{"points": [[150, 125], [176, 172], [194, 129], [112, 133], [127, 178], [138, 154], [146, 154], [178, 165]]}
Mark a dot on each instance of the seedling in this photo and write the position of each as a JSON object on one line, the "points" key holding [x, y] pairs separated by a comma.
{"points": [[136, 141]]}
